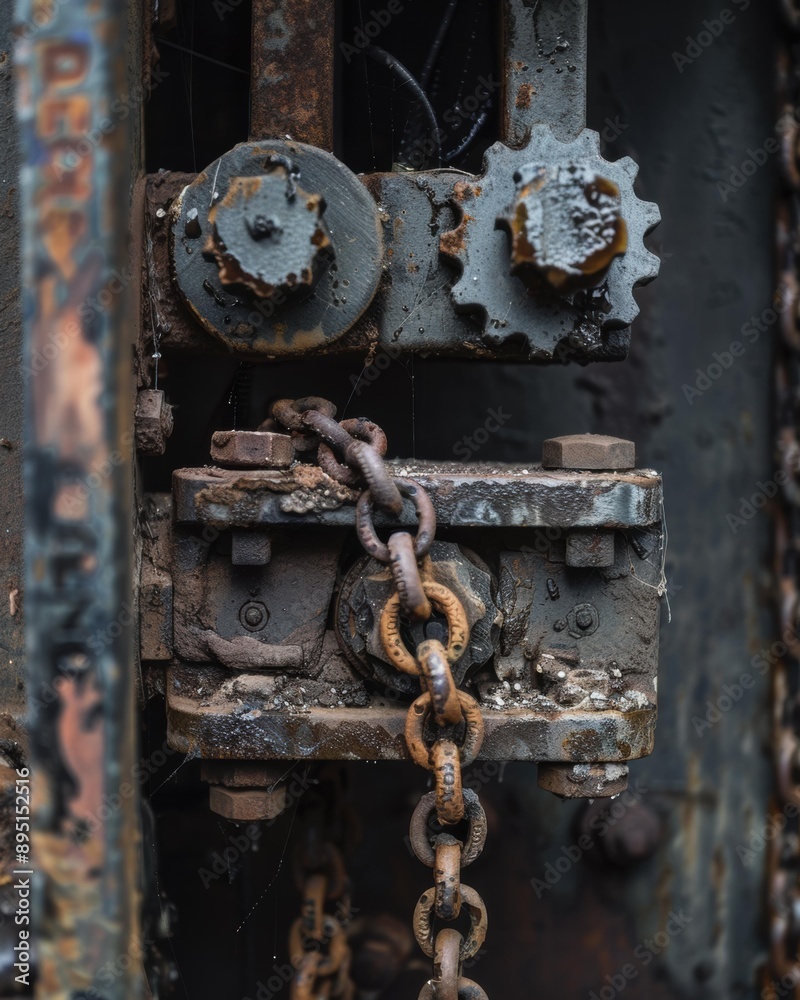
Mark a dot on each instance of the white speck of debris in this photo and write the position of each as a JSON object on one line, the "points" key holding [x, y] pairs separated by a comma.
{"points": [[12, 601], [539, 668], [561, 675], [518, 686], [160, 213]]}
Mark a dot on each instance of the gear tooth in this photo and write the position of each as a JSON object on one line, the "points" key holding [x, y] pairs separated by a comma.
{"points": [[651, 265], [627, 308], [630, 166], [587, 142], [652, 215]]}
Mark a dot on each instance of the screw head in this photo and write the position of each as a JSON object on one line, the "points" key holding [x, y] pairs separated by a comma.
{"points": [[253, 615]]}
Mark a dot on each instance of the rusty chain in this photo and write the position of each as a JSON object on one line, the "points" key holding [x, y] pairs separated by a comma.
{"points": [[783, 828], [444, 726], [319, 948]]}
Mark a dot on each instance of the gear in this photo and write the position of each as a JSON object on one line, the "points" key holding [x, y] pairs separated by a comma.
{"points": [[563, 282]]}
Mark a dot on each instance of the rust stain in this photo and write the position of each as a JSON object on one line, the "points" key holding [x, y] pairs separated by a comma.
{"points": [[524, 95]]}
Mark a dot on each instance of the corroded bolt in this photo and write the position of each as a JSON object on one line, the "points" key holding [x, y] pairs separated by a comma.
{"points": [[153, 422], [243, 805], [268, 234], [252, 449], [597, 452], [583, 781], [565, 224], [244, 791]]}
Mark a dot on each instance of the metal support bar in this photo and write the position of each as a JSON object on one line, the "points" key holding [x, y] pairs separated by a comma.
{"points": [[545, 67], [78, 331], [293, 45]]}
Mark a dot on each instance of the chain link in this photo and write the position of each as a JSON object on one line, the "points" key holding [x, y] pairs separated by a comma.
{"points": [[444, 726]]}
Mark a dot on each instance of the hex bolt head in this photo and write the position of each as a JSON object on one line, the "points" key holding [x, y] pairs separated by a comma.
{"points": [[593, 452], [566, 224], [245, 805], [268, 235], [252, 449]]}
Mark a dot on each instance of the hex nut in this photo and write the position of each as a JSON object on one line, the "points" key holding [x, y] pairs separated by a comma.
{"points": [[153, 422], [596, 452], [243, 805], [243, 773], [583, 781], [252, 449]]}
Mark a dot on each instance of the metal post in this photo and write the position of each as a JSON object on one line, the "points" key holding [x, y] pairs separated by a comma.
{"points": [[75, 110], [292, 73], [545, 67]]}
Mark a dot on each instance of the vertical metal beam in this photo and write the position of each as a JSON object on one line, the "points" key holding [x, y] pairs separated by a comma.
{"points": [[292, 71], [75, 191], [545, 67], [12, 644]]}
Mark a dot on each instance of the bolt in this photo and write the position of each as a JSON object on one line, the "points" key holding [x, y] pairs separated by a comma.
{"points": [[268, 235], [583, 781], [583, 619], [252, 614], [597, 452], [565, 224], [244, 805], [153, 422]]}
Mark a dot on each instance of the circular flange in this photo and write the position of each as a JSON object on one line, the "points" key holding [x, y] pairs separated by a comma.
{"points": [[290, 324]]}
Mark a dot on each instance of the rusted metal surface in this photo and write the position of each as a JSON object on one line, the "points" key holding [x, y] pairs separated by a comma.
{"points": [[75, 195], [231, 282], [12, 677], [292, 71], [476, 495], [211, 724], [559, 321], [545, 67], [154, 422]]}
